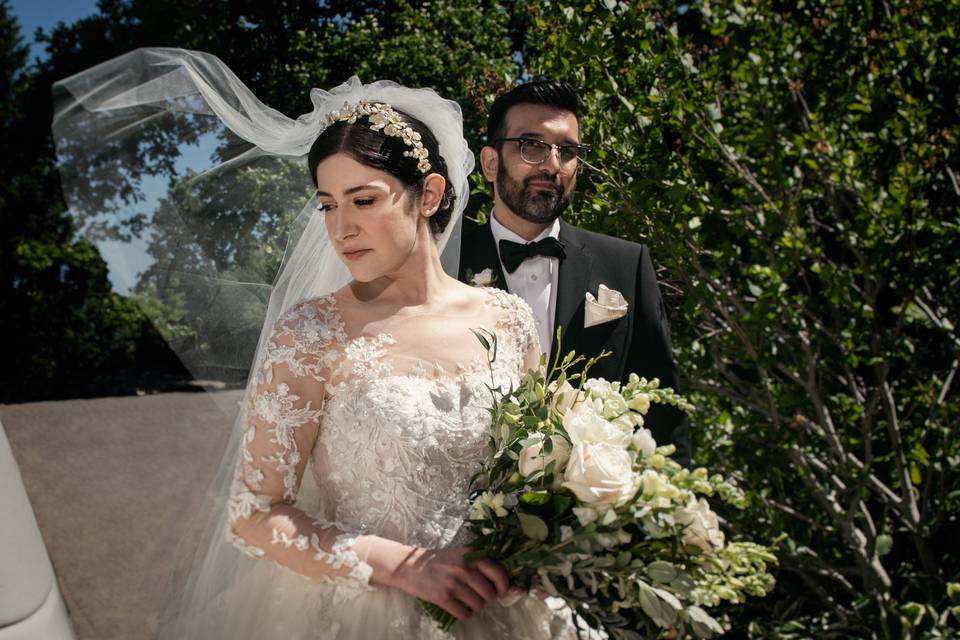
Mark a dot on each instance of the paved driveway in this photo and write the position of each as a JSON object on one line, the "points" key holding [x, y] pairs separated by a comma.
{"points": [[112, 481]]}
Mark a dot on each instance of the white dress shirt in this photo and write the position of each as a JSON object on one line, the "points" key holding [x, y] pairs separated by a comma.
{"points": [[535, 280]]}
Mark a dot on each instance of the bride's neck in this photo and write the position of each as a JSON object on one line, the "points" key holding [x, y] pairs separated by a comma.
{"points": [[420, 282]]}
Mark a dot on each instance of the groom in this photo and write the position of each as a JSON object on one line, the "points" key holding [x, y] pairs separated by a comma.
{"points": [[601, 291]]}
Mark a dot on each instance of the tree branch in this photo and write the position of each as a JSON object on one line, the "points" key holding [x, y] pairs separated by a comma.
{"points": [[910, 510], [875, 577]]}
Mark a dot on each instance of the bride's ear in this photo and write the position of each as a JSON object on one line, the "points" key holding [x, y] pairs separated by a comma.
{"points": [[432, 195]]}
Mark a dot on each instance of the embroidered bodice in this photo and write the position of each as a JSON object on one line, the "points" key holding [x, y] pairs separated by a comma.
{"points": [[364, 425]]}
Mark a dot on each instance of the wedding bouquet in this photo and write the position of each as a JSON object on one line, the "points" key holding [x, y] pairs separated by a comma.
{"points": [[578, 500]]}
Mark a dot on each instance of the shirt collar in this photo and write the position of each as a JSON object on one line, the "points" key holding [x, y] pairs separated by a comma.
{"points": [[500, 232]]}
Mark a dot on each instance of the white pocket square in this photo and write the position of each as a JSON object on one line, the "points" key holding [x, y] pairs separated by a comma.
{"points": [[608, 305]]}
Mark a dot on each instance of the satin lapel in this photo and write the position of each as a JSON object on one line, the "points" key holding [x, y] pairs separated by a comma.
{"points": [[572, 282], [483, 255]]}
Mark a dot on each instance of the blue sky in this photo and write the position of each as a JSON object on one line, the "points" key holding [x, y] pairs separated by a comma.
{"points": [[46, 14], [124, 259]]}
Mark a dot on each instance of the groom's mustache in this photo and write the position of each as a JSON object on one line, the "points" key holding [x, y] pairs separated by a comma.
{"points": [[544, 177]]}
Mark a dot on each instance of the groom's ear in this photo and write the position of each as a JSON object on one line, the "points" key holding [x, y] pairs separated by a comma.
{"points": [[489, 163]]}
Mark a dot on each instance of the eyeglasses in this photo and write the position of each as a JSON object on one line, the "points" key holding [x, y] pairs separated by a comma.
{"points": [[535, 151]]}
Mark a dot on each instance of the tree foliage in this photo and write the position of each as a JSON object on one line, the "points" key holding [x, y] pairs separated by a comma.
{"points": [[280, 50], [794, 169], [61, 318]]}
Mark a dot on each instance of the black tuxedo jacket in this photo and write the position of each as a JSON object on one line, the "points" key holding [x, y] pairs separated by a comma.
{"points": [[639, 341]]}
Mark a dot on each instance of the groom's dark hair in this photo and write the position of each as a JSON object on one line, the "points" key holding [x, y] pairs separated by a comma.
{"points": [[550, 93]]}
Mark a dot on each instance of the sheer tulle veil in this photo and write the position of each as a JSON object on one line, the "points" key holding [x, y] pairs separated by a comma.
{"points": [[197, 195]]}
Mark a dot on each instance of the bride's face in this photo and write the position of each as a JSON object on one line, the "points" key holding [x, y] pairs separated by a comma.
{"points": [[370, 217]]}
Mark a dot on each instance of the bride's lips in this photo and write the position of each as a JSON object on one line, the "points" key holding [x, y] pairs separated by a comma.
{"points": [[355, 254]]}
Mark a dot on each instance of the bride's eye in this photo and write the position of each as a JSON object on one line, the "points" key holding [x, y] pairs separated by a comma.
{"points": [[323, 207], [364, 202]]}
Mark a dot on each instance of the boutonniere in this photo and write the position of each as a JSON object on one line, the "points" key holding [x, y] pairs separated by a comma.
{"points": [[485, 278], [608, 305]]}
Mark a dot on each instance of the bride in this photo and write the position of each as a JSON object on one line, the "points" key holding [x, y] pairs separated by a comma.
{"points": [[366, 409]]}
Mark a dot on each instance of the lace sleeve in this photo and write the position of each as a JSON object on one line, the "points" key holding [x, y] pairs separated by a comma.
{"points": [[529, 338], [522, 329], [283, 421]]}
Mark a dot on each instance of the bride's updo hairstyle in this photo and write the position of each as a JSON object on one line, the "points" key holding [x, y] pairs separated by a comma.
{"points": [[386, 153]]}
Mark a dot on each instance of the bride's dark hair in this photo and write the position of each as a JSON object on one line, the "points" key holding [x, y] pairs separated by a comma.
{"points": [[386, 153]]}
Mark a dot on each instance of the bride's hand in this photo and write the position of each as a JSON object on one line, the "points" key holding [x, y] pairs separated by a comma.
{"points": [[445, 578]]}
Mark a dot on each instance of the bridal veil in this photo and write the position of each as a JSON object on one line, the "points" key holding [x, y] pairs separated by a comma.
{"points": [[197, 195]]}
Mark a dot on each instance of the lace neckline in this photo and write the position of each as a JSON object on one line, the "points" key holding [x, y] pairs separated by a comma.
{"points": [[363, 356]]}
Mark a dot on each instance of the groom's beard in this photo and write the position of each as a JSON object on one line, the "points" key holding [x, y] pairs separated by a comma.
{"points": [[533, 204]]}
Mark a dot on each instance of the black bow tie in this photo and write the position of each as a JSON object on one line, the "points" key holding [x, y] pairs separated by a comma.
{"points": [[513, 253]]}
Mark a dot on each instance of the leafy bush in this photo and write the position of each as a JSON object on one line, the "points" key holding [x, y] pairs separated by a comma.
{"points": [[794, 170]]}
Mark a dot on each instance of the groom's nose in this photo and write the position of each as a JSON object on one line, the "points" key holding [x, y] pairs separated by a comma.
{"points": [[551, 163]]}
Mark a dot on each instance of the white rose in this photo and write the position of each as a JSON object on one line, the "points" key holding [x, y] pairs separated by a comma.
{"points": [[563, 396], [483, 278], [532, 458], [644, 443], [584, 424], [701, 526], [601, 474]]}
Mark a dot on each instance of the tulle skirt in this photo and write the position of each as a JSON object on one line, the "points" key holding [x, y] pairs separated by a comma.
{"points": [[272, 602]]}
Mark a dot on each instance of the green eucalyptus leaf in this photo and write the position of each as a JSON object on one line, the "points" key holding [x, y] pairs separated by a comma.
{"points": [[661, 571], [704, 626], [533, 527]]}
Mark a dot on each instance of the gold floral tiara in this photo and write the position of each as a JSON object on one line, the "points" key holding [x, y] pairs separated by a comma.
{"points": [[383, 118]]}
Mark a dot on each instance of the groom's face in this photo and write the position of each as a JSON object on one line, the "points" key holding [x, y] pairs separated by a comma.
{"points": [[538, 193]]}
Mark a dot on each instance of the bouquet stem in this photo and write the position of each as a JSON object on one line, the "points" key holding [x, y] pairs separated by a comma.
{"points": [[442, 617]]}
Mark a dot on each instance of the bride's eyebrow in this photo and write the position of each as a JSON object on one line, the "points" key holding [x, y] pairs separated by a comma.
{"points": [[351, 190]]}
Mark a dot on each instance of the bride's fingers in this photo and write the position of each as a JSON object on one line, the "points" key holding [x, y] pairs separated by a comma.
{"points": [[494, 573], [455, 608], [467, 596], [481, 586]]}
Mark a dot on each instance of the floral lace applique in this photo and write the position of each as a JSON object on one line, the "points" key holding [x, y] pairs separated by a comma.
{"points": [[278, 410], [517, 324], [341, 553], [302, 340], [288, 400], [419, 370], [366, 355]]}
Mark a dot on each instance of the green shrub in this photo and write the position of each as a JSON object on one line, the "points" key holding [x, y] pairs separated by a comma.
{"points": [[793, 168]]}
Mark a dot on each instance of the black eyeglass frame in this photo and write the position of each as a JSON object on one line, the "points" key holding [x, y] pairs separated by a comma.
{"points": [[581, 148]]}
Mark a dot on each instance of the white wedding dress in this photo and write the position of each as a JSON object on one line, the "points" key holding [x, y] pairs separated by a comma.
{"points": [[366, 425]]}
